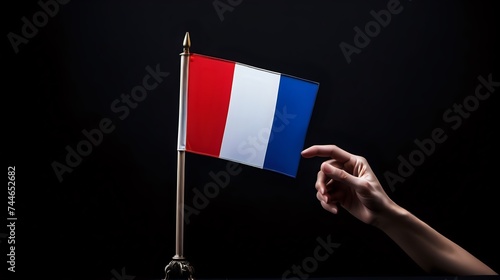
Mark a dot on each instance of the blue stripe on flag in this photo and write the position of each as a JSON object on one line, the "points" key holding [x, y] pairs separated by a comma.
{"points": [[294, 107]]}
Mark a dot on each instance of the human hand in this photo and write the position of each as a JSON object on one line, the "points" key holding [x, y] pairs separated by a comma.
{"points": [[348, 180]]}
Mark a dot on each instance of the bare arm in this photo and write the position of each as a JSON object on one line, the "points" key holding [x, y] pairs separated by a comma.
{"points": [[347, 180], [432, 251]]}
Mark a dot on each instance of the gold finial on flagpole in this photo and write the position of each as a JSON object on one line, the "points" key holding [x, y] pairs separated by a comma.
{"points": [[186, 43]]}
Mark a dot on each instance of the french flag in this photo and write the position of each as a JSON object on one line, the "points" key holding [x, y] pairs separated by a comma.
{"points": [[247, 115]]}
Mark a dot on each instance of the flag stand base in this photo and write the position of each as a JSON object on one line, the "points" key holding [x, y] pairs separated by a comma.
{"points": [[179, 268]]}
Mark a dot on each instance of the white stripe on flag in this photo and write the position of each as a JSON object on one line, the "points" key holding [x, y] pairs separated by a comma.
{"points": [[250, 116]]}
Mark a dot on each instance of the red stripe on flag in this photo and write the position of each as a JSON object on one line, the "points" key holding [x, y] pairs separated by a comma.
{"points": [[209, 92]]}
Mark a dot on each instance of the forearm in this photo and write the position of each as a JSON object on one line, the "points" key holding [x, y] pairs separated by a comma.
{"points": [[428, 248]]}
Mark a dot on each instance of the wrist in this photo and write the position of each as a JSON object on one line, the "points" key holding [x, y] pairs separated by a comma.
{"points": [[392, 216]]}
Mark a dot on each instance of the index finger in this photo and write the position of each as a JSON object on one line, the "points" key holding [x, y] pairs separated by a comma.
{"points": [[331, 151]]}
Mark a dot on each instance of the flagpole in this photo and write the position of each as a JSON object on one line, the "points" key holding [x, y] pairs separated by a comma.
{"points": [[179, 222], [179, 264]]}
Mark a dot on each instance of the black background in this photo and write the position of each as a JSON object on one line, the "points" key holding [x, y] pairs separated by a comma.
{"points": [[115, 212]]}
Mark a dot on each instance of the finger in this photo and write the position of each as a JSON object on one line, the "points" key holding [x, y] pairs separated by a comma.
{"points": [[322, 182], [331, 151], [326, 185], [341, 175], [335, 163], [330, 207], [325, 198], [322, 197], [334, 192]]}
